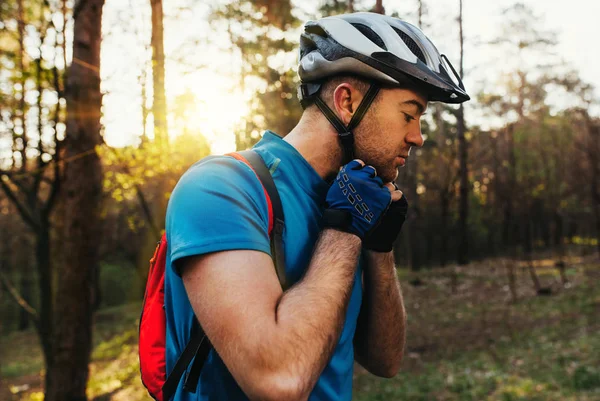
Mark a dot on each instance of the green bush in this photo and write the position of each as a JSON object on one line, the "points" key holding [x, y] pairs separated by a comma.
{"points": [[118, 284], [586, 378]]}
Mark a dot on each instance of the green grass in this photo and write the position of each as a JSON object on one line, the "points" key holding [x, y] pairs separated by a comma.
{"points": [[475, 344]]}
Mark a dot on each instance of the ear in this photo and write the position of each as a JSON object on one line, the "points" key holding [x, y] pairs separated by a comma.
{"points": [[346, 99]]}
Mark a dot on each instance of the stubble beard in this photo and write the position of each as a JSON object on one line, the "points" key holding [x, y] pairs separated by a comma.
{"points": [[370, 149]]}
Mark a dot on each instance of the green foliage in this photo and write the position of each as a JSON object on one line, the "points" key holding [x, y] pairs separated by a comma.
{"points": [[260, 31], [118, 282]]}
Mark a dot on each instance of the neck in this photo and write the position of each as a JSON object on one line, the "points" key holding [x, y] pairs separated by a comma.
{"points": [[317, 141]]}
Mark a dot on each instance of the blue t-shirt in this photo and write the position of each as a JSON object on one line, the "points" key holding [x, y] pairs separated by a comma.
{"points": [[219, 204]]}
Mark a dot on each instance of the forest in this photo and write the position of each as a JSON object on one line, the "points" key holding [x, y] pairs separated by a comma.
{"points": [[104, 104]]}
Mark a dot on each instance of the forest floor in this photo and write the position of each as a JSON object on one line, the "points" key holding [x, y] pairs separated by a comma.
{"points": [[470, 342]]}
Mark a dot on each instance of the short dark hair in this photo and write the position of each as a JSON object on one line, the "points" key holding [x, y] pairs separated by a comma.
{"points": [[362, 85], [328, 87]]}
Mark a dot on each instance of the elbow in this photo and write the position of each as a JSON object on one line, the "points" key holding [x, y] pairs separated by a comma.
{"points": [[386, 369], [388, 372], [278, 387]]}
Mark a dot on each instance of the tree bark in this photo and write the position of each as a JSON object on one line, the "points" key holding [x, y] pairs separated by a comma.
{"points": [[25, 290], [445, 208], [379, 7], [463, 246], [22, 103], [159, 105], [44, 267], [67, 380]]}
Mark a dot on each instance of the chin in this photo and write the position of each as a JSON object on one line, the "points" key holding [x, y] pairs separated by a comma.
{"points": [[389, 176]]}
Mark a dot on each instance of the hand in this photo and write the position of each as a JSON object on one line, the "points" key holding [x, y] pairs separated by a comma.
{"points": [[382, 238], [356, 200]]}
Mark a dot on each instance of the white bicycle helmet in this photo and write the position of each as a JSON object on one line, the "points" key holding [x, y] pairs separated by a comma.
{"points": [[385, 50]]}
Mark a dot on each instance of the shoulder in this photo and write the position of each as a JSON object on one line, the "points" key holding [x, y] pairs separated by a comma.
{"points": [[217, 171], [218, 204]]}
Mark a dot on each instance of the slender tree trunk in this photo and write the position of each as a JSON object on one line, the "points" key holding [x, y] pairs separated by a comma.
{"points": [[593, 134], [144, 108], [44, 268], [445, 207], [83, 194], [25, 291], [22, 82], [512, 279], [379, 7], [528, 245], [350, 6], [463, 246], [159, 105]]}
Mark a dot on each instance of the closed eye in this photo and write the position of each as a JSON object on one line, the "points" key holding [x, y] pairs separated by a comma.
{"points": [[408, 117]]}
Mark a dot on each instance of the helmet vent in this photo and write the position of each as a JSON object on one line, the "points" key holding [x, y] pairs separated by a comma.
{"points": [[370, 34], [411, 44]]}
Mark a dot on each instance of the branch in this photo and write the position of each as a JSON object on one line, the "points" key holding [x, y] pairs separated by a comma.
{"points": [[141, 198], [147, 211], [25, 214], [19, 299]]}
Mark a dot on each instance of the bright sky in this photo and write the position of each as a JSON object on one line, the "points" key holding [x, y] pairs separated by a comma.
{"points": [[220, 103]]}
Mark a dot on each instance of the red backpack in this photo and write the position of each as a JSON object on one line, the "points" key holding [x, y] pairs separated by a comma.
{"points": [[152, 334]]}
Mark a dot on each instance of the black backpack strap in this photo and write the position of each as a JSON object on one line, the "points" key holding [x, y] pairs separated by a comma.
{"points": [[199, 344], [261, 170], [198, 340]]}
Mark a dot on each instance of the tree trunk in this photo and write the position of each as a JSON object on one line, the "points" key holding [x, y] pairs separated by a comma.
{"points": [[25, 291], [463, 236], [414, 235], [44, 268], [159, 105], [82, 195], [528, 245], [379, 7], [22, 102], [445, 206]]}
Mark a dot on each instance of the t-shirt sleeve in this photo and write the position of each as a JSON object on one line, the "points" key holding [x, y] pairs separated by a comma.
{"points": [[218, 204]]}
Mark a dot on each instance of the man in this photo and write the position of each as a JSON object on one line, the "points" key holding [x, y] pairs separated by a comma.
{"points": [[345, 303]]}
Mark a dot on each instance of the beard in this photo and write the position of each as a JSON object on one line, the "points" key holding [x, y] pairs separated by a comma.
{"points": [[370, 149]]}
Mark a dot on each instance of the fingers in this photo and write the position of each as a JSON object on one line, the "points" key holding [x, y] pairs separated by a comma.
{"points": [[355, 164], [396, 193], [371, 170]]}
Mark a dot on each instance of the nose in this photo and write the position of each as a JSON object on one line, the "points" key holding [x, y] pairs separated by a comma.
{"points": [[415, 137]]}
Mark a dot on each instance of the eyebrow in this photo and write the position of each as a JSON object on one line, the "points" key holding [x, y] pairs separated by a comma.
{"points": [[420, 107]]}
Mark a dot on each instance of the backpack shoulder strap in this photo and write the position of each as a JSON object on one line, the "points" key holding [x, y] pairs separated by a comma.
{"points": [[199, 345], [257, 164]]}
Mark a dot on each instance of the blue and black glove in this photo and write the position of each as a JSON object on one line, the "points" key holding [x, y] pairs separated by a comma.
{"points": [[356, 200], [382, 238]]}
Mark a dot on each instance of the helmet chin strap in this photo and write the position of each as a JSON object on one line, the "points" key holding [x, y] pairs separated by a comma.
{"points": [[345, 133]]}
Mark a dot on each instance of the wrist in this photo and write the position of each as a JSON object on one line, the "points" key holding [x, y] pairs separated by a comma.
{"points": [[380, 261], [341, 235], [378, 251]]}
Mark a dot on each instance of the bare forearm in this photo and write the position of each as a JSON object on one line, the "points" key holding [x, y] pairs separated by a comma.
{"points": [[381, 332], [310, 316]]}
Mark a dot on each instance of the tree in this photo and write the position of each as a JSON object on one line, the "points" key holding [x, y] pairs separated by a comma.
{"points": [[257, 34], [159, 106], [463, 247], [31, 177], [67, 377]]}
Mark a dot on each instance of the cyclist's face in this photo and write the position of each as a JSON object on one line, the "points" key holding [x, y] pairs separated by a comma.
{"points": [[391, 126]]}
